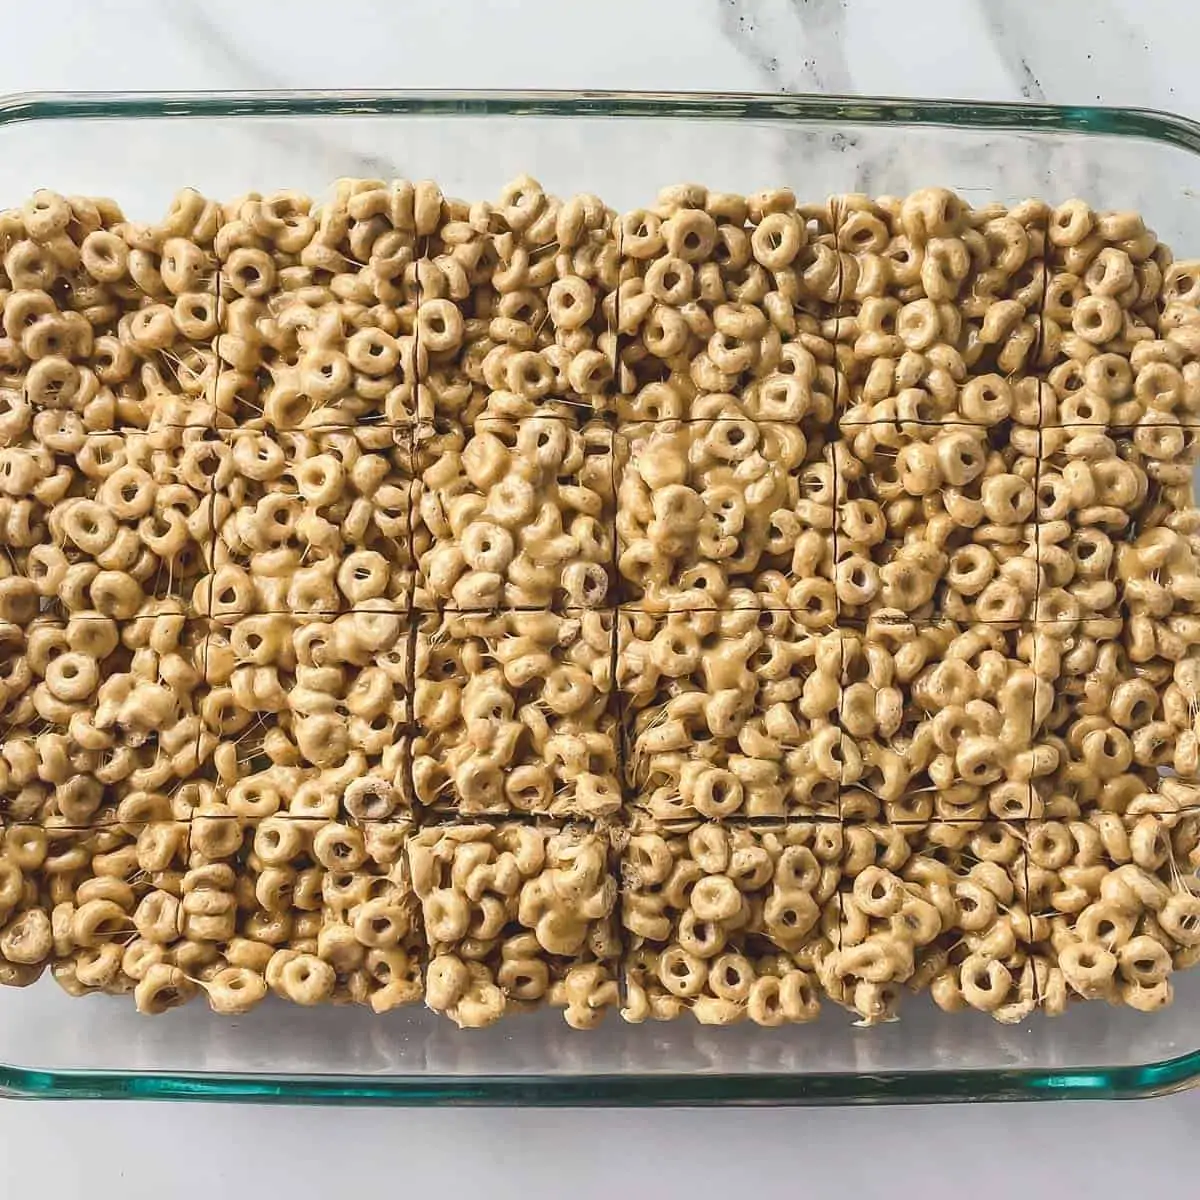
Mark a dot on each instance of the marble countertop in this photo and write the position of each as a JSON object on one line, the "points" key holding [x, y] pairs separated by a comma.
{"points": [[1121, 52], [1124, 52]]}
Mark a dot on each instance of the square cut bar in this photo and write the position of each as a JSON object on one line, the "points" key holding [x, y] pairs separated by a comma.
{"points": [[110, 324], [517, 915], [313, 910], [937, 520], [939, 719], [1114, 907], [310, 522], [725, 295], [93, 905], [514, 513], [731, 715], [943, 909], [107, 523], [102, 720], [516, 713], [729, 922], [517, 309], [310, 716], [726, 512], [319, 306]]}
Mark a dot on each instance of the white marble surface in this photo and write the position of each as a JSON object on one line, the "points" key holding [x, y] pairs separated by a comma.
{"points": [[1129, 52]]}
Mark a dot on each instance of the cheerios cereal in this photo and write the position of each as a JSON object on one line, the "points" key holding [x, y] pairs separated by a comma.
{"points": [[725, 609]]}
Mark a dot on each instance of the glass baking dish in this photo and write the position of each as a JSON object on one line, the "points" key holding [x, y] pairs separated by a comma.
{"points": [[141, 149]]}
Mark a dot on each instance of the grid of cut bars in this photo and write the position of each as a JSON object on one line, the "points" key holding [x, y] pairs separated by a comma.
{"points": [[596, 561]]}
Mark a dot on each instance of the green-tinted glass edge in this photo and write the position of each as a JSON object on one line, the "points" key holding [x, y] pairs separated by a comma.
{"points": [[1130, 122], [627, 1090], [1119, 1082]]}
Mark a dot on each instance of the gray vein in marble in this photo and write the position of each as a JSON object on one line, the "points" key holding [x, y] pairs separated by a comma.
{"points": [[1029, 36], [1012, 35], [1013, 28], [794, 45], [246, 72], [825, 23]]}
